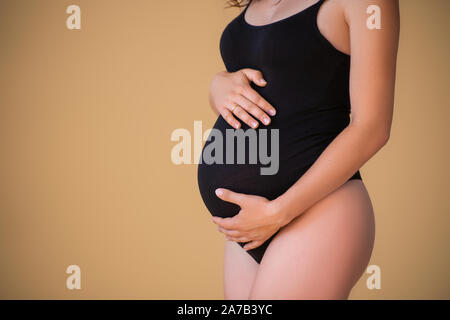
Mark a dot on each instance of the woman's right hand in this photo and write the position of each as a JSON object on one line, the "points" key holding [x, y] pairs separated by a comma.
{"points": [[232, 96]]}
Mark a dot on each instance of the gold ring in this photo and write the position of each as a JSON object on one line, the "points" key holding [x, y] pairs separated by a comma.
{"points": [[233, 107]]}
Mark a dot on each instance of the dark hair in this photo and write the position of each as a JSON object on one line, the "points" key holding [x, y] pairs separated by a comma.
{"points": [[238, 3]]}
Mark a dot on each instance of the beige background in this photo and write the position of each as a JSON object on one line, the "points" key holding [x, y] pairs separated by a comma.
{"points": [[85, 170]]}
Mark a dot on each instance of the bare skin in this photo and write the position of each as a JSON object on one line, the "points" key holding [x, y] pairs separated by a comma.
{"points": [[319, 255], [326, 221]]}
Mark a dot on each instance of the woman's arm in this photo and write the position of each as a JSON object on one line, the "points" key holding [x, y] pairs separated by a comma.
{"points": [[372, 82]]}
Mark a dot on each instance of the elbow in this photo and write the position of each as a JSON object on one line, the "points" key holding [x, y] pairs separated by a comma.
{"points": [[382, 138], [374, 136]]}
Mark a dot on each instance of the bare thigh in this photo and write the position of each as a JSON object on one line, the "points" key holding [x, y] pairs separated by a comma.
{"points": [[322, 253], [239, 272]]}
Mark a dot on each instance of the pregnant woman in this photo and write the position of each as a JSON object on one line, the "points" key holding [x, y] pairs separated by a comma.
{"points": [[295, 72]]}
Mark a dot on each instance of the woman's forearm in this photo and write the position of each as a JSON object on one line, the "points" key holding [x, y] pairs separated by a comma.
{"points": [[354, 146], [372, 83]]}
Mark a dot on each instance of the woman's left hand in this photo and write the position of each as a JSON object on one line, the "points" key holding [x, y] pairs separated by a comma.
{"points": [[257, 221]]}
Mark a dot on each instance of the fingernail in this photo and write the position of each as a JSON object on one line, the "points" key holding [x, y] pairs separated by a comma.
{"points": [[236, 125], [266, 120], [262, 81], [254, 124], [272, 112], [219, 192]]}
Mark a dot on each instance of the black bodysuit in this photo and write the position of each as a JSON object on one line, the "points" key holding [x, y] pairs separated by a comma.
{"points": [[307, 83]]}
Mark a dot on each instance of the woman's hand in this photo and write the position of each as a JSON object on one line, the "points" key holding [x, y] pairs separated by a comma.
{"points": [[232, 96], [257, 221]]}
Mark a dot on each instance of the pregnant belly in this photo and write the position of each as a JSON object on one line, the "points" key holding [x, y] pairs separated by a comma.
{"points": [[301, 140]]}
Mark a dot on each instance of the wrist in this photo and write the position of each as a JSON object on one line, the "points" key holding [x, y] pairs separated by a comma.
{"points": [[220, 74], [281, 211]]}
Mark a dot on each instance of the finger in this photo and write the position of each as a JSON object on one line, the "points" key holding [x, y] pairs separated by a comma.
{"points": [[255, 76], [244, 116], [227, 223], [249, 93], [223, 230], [253, 109], [230, 233], [253, 244], [230, 196], [240, 239], [229, 118]]}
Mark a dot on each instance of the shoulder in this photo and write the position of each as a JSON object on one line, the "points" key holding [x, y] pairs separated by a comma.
{"points": [[358, 12], [371, 24]]}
